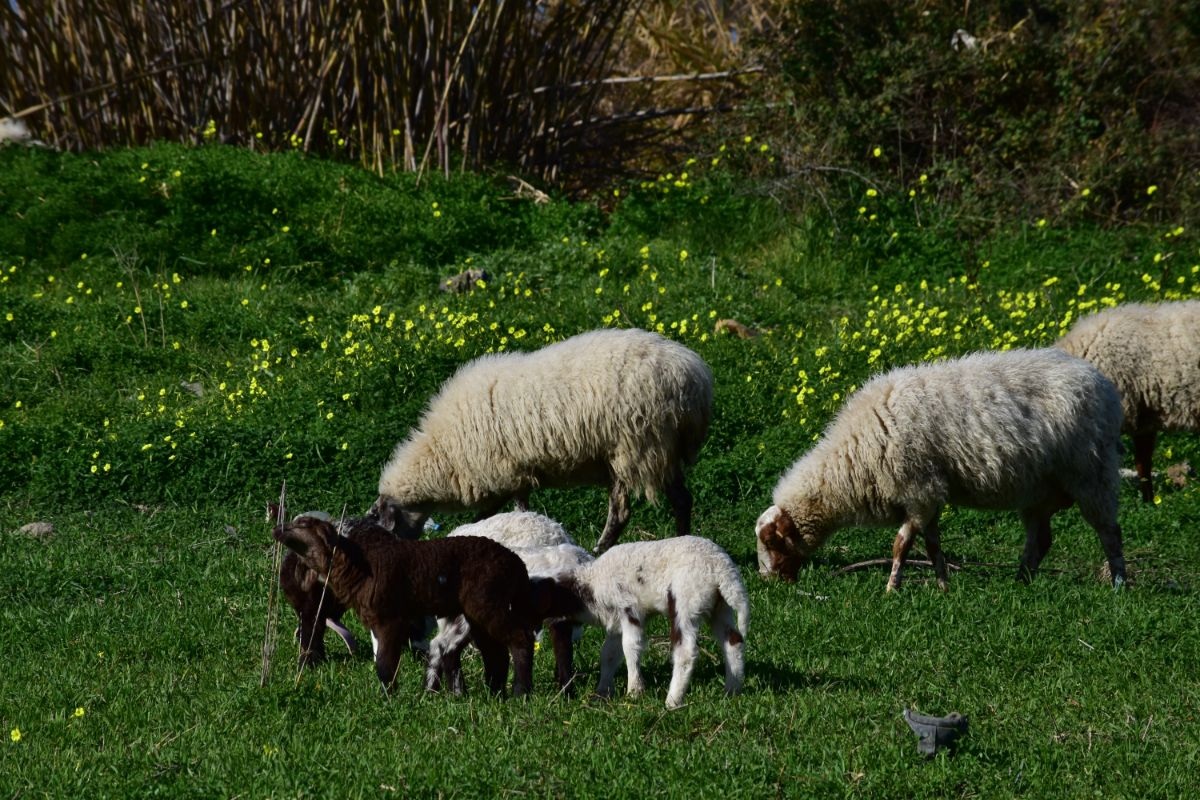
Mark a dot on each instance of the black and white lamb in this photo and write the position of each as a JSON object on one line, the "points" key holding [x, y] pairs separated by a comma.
{"points": [[1031, 430], [626, 409], [391, 583], [550, 555], [1152, 354]]}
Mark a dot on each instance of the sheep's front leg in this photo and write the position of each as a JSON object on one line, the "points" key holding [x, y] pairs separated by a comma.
{"points": [[900, 548], [520, 648], [1037, 542], [633, 639], [610, 659], [618, 517]]}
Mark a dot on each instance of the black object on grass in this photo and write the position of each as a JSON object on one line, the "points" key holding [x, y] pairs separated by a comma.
{"points": [[936, 732]]}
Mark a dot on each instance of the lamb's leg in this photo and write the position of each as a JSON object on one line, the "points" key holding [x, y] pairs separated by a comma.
{"points": [[904, 542], [618, 517], [447, 646], [347, 638], [729, 639], [1038, 539], [610, 659], [684, 649], [495, 660], [562, 636], [633, 639], [681, 504], [1143, 451], [389, 643], [933, 546], [520, 648]]}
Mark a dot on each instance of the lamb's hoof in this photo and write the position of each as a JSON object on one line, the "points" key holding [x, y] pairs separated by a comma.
{"points": [[936, 732], [673, 705]]}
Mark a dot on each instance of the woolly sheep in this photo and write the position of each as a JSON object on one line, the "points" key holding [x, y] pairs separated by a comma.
{"points": [[549, 554], [391, 583], [1029, 430], [627, 409], [1152, 354], [687, 578]]}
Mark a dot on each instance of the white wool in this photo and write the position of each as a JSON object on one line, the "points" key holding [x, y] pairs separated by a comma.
{"points": [[627, 409], [515, 529], [689, 576]]}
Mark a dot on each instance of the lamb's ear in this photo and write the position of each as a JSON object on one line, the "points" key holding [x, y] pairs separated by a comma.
{"points": [[307, 539], [274, 513], [384, 512], [400, 521]]}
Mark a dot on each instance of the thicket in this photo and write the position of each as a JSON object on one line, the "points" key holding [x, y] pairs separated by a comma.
{"points": [[1073, 110]]}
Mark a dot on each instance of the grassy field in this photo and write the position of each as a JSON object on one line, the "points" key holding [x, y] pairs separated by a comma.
{"points": [[184, 330]]}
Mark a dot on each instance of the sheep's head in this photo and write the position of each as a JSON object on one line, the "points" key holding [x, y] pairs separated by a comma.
{"points": [[312, 539], [403, 522], [782, 545]]}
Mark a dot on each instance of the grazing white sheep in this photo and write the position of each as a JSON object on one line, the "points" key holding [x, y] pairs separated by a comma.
{"points": [[627, 409], [1152, 354], [549, 555], [687, 578], [1029, 430]]}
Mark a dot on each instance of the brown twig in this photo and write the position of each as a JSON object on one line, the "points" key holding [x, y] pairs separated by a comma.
{"points": [[271, 633]]}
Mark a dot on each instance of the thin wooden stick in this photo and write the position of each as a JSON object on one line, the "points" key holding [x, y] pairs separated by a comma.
{"points": [[271, 633]]}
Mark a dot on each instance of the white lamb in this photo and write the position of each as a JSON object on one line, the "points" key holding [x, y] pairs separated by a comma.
{"points": [[1152, 354], [627, 409], [687, 578], [550, 555], [1029, 430]]}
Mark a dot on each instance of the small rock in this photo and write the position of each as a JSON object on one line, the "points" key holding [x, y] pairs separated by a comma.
{"points": [[195, 388], [1178, 474], [38, 530]]}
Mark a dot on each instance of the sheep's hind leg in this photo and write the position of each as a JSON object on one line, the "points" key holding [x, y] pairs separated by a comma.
{"points": [[618, 517], [729, 639], [904, 542], [684, 649], [681, 504], [1104, 521]]}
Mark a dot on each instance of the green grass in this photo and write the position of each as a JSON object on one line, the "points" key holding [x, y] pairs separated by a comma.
{"points": [[147, 608]]}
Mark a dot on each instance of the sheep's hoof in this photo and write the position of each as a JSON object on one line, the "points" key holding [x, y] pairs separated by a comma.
{"points": [[935, 732], [673, 705]]}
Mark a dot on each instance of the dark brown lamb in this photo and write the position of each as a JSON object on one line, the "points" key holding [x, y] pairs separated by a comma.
{"points": [[391, 584]]}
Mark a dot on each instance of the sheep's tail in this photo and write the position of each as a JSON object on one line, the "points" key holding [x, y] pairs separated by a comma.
{"points": [[733, 593]]}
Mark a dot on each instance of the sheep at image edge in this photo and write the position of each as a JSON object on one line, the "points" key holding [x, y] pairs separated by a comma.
{"points": [[1029, 430], [1152, 354], [626, 409]]}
